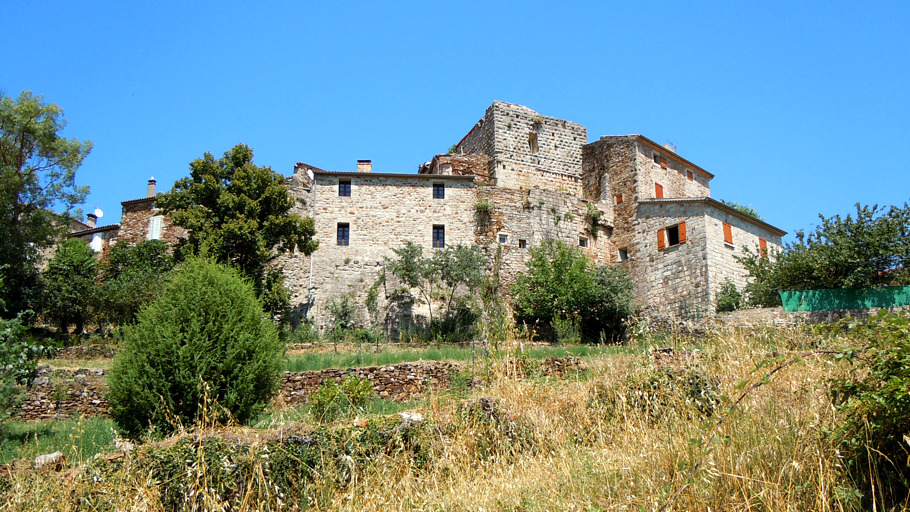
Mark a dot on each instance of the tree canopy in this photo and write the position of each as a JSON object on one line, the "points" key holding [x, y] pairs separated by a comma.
{"points": [[37, 175], [239, 213], [869, 249], [562, 284]]}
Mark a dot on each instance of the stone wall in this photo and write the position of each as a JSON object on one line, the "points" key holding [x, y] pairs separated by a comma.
{"points": [[527, 218], [134, 223], [529, 150], [672, 174], [383, 212]]}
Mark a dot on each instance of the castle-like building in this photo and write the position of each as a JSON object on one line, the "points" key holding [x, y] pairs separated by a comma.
{"points": [[516, 179]]}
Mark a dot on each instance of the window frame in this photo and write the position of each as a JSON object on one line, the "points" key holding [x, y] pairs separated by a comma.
{"points": [[439, 190], [583, 242], [664, 234], [156, 227], [346, 239], [728, 233], [439, 236], [344, 188]]}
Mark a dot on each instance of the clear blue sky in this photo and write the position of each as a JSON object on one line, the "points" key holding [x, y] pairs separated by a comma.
{"points": [[797, 108]]}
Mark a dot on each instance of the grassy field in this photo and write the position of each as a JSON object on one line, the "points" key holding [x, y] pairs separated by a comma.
{"points": [[702, 430]]}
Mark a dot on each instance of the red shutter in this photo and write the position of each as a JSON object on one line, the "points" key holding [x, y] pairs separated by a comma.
{"points": [[763, 247], [682, 232], [660, 239], [663, 162], [618, 198], [728, 234], [658, 190], [690, 176]]}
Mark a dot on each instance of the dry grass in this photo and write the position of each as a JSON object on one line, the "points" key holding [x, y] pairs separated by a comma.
{"points": [[626, 437]]}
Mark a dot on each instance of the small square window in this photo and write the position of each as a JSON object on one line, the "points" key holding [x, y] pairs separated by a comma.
{"points": [[344, 188], [503, 239], [670, 236], [439, 237], [522, 243], [656, 157], [582, 242], [623, 254], [439, 191], [344, 234]]}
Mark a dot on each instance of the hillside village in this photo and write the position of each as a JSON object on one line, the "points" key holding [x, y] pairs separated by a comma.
{"points": [[515, 179]]}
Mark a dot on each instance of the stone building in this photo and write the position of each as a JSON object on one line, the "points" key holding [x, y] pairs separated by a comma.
{"points": [[518, 178]]}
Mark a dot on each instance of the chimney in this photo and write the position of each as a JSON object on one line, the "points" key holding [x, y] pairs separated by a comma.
{"points": [[90, 220], [669, 145], [150, 192], [364, 165]]}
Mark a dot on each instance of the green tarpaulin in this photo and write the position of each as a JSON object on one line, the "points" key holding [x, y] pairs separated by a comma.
{"points": [[821, 300]]}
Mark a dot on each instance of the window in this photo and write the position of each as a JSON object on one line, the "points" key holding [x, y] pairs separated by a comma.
{"points": [[663, 162], [690, 176], [532, 142], [344, 233], [656, 157], [763, 247], [623, 254], [728, 234], [155, 228], [582, 242], [439, 191], [439, 236], [671, 236], [344, 188], [618, 198], [658, 191], [503, 239], [522, 243]]}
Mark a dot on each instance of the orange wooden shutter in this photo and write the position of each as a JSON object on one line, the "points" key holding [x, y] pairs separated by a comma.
{"points": [[682, 232], [763, 247], [658, 190], [618, 198], [660, 239], [690, 176], [663, 162], [728, 234]]}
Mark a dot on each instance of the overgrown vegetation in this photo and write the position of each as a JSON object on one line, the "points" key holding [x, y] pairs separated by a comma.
{"points": [[132, 277], [747, 210], [239, 214], [204, 343], [728, 297], [69, 292], [561, 284], [869, 249]]}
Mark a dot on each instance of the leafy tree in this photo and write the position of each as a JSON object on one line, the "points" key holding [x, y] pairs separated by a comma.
{"points": [[748, 210], [69, 285], [205, 334], [868, 250], [728, 297], [449, 269], [239, 213], [37, 174], [561, 283], [132, 277]]}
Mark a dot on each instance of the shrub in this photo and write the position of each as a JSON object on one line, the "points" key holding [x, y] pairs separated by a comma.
{"points": [[18, 365], [728, 298], [206, 331], [875, 405], [561, 283], [333, 401], [133, 276]]}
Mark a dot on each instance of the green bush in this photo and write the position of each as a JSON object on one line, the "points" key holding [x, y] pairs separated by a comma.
{"points": [[333, 401], [875, 406], [562, 283], [18, 363], [204, 339], [728, 298], [133, 276]]}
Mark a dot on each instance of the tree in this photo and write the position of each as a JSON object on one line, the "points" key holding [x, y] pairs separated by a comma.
{"points": [[132, 277], [204, 339], [37, 175], [868, 250], [69, 285], [450, 268], [239, 213], [748, 210], [561, 283]]}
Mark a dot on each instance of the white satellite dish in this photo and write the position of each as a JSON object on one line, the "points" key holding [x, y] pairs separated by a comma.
{"points": [[99, 213]]}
